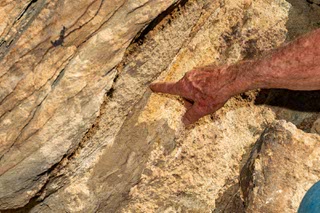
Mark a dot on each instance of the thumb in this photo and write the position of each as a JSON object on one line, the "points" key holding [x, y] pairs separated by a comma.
{"points": [[197, 111]]}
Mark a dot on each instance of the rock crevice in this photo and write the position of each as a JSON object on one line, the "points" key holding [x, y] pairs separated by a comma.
{"points": [[81, 132]]}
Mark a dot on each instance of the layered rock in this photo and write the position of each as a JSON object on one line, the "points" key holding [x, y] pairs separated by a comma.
{"points": [[57, 63], [80, 130]]}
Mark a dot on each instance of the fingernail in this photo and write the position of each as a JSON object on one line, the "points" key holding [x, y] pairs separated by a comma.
{"points": [[151, 85]]}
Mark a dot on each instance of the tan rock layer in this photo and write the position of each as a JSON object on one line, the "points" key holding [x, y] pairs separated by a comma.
{"points": [[52, 87], [143, 63], [53, 78], [201, 32]]}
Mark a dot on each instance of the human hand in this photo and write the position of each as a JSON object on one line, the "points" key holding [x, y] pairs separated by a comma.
{"points": [[204, 90]]}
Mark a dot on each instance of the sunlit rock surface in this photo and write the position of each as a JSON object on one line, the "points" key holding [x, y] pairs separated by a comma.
{"points": [[283, 165], [81, 132]]}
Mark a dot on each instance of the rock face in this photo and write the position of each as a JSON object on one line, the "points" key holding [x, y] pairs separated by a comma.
{"points": [[81, 132], [283, 165], [57, 63]]}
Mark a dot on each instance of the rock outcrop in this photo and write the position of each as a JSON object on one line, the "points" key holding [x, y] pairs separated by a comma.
{"points": [[57, 63], [283, 165], [81, 132]]}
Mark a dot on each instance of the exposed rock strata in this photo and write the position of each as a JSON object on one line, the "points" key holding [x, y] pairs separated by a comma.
{"points": [[81, 132], [55, 71]]}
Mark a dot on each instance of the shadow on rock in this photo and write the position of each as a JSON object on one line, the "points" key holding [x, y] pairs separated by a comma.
{"points": [[230, 201], [303, 101]]}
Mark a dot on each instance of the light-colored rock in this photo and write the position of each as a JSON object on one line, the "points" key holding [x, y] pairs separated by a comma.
{"points": [[79, 150], [197, 174], [194, 175], [51, 92], [316, 127], [201, 32], [283, 165]]}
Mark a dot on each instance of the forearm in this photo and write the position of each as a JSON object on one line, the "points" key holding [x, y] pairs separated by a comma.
{"points": [[295, 66]]}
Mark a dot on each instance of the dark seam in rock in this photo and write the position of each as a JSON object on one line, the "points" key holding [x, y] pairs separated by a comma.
{"points": [[27, 53], [311, 2], [59, 77], [142, 34], [98, 10], [26, 9], [20, 101], [103, 23], [137, 8], [23, 27]]}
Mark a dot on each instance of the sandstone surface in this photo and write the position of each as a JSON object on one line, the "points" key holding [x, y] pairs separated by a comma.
{"points": [[57, 63], [81, 132]]}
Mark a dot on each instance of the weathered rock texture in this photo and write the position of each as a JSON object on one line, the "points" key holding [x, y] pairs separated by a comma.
{"points": [[284, 164], [81, 132], [57, 63]]}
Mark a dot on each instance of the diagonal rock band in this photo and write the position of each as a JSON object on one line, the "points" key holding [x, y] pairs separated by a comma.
{"points": [[80, 130]]}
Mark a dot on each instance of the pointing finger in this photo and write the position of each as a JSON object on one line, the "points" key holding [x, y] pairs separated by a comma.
{"points": [[169, 88], [194, 113], [177, 88]]}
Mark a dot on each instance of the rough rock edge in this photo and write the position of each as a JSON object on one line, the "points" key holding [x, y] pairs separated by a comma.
{"points": [[92, 129], [115, 90], [280, 133], [24, 19], [57, 169]]}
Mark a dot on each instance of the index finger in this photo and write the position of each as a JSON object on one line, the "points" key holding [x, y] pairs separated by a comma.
{"points": [[170, 88]]}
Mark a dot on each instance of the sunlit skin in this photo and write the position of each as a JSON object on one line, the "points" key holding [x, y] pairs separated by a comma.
{"points": [[294, 66]]}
